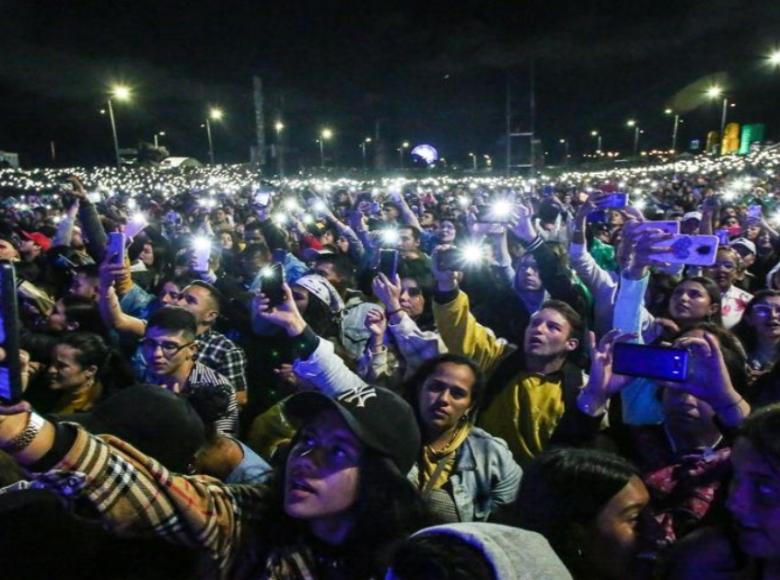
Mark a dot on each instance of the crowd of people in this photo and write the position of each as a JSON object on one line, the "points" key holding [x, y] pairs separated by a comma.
{"points": [[393, 378]]}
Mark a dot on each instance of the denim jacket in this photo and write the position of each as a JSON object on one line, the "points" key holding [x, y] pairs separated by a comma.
{"points": [[485, 476]]}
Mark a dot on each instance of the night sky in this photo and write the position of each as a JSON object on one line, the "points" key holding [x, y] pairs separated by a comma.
{"points": [[430, 72]]}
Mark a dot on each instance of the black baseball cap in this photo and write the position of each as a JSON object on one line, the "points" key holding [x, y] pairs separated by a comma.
{"points": [[381, 419], [156, 421]]}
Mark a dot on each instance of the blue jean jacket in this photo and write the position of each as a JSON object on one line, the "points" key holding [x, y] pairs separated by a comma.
{"points": [[485, 476]]}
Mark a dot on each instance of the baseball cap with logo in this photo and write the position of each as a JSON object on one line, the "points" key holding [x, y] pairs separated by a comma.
{"points": [[743, 246], [380, 418]]}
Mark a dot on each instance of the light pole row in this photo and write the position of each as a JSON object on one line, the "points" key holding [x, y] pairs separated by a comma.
{"points": [[123, 93]]}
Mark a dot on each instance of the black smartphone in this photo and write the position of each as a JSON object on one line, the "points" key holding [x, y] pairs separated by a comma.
{"points": [[10, 368], [663, 363], [273, 284], [388, 263], [449, 260]]}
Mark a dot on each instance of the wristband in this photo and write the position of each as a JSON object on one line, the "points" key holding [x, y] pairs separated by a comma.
{"points": [[34, 426], [392, 312]]}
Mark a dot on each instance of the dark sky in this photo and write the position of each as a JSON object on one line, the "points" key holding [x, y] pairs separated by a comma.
{"points": [[431, 72]]}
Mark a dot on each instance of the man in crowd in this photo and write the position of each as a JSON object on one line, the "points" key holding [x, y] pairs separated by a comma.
{"points": [[170, 347], [215, 350]]}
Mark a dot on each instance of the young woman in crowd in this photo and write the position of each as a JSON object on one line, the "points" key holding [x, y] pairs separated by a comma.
{"points": [[462, 472], [749, 547], [402, 337], [588, 504], [759, 331], [75, 313], [82, 370], [333, 511]]}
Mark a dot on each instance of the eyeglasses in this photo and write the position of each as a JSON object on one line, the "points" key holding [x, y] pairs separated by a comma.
{"points": [[765, 311], [169, 349], [413, 292]]}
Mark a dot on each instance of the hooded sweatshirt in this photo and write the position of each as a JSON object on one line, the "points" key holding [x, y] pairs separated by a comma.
{"points": [[514, 554]]}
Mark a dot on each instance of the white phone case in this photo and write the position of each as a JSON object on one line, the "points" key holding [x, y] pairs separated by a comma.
{"points": [[690, 250]]}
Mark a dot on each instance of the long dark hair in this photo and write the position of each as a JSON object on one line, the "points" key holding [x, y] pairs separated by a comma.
{"points": [[113, 371], [388, 509], [562, 492], [84, 312], [712, 290]]}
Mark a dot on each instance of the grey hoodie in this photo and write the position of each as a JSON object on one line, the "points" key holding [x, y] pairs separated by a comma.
{"points": [[514, 554]]}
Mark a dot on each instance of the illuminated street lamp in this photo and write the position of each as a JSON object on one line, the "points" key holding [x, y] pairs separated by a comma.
{"points": [[404, 145], [565, 143], [713, 93], [774, 57], [325, 135], [488, 161], [215, 114], [631, 123], [279, 127], [156, 140], [474, 160], [674, 128], [120, 93], [363, 145], [597, 135]]}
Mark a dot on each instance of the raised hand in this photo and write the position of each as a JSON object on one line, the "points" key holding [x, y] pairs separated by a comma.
{"points": [[602, 382], [446, 280], [284, 315], [388, 291], [522, 224], [376, 324]]}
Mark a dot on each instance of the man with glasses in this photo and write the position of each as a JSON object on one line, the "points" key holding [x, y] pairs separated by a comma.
{"points": [[169, 347]]}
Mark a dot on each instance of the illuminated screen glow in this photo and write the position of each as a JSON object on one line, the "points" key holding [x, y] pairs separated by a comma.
{"points": [[427, 153]]}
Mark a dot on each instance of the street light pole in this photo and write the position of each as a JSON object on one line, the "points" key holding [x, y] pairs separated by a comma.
{"points": [[633, 124], [403, 146], [211, 142], [215, 114], [325, 134], [474, 160], [279, 126], [365, 142], [565, 143], [674, 128], [723, 120], [113, 132]]}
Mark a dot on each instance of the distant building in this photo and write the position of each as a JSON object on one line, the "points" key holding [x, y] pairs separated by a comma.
{"points": [[8, 159]]}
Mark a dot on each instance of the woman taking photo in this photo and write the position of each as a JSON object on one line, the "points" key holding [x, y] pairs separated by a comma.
{"points": [[402, 336]]}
